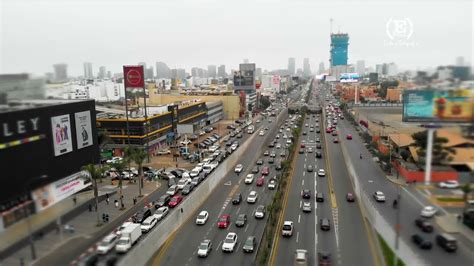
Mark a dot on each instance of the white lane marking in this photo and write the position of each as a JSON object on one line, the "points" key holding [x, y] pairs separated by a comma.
{"points": [[238, 245], [336, 226], [302, 182], [247, 227], [315, 174], [237, 212], [304, 166], [304, 173], [305, 158], [371, 181], [219, 244], [297, 236], [299, 218]]}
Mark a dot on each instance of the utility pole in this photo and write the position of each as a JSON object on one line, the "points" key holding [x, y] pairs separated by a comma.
{"points": [[397, 226]]}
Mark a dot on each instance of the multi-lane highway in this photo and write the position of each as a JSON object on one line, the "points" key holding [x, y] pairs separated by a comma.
{"points": [[347, 240], [181, 249]]}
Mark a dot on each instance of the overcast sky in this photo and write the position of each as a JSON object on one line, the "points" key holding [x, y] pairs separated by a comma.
{"points": [[36, 34]]}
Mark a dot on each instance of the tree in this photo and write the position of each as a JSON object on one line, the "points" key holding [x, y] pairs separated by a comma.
{"points": [[119, 167], [466, 189], [95, 173], [441, 153], [103, 139], [138, 156]]}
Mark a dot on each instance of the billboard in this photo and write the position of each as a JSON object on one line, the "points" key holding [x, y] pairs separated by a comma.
{"points": [[133, 77], [61, 128], [83, 129], [438, 106], [349, 77]]}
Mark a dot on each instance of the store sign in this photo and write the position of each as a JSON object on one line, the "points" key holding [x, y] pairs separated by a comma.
{"points": [[453, 106], [133, 77], [61, 128], [53, 193], [83, 129]]}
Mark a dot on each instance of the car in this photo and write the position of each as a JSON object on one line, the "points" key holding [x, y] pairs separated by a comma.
{"points": [[272, 184], [250, 244], [425, 226], [319, 154], [273, 154], [302, 145], [309, 150], [379, 196], [241, 220], [278, 146], [204, 248], [237, 199], [301, 151], [335, 140], [148, 224], [183, 182], [266, 170], [301, 257], [320, 197], [309, 168], [230, 242], [306, 194], [238, 168], [266, 153], [287, 229], [350, 197], [325, 225], [328, 130], [334, 133], [261, 133], [449, 184], [239, 136], [107, 243], [349, 136], [321, 172], [141, 215], [252, 197], [260, 161], [306, 206], [428, 211], [260, 181], [255, 169], [271, 160], [202, 218], [175, 201], [161, 213], [318, 146], [249, 179], [260, 212], [421, 242], [447, 242], [163, 152], [304, 133], [172, 190], [196, 181], [234, 146], [224, 221], [162, 201], [324, 258]]}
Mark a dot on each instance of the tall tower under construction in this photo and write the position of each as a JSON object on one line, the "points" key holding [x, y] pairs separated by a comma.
{"points": [[339, 46]]}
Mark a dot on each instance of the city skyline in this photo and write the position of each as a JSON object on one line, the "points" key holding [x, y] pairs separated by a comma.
{"points": [[74, 47]]}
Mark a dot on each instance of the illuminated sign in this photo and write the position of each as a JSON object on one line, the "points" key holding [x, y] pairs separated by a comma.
{"points": [[349, 77]]}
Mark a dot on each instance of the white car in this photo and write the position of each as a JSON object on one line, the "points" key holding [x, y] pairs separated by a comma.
{"points": [[272, 184], [213, 148], [107, 244], [195, 172], [449, 184], [202, 217], [204, 248], [260, 212], [161, 213], [183, 182], [249, 179], [238, 168], [288, 141], [206, 161], [252, 197], [307, 206], [428, 211], [261, 133], [172, 190], [148, 224], [114, 160], [379, 196], [287, 229], [229, 242], [321, 172], [233, 147]]}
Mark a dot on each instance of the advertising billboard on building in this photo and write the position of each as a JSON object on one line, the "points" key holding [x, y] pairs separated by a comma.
{"points": [[83, 129], [349, 77], [448, 106], [61, 127]]}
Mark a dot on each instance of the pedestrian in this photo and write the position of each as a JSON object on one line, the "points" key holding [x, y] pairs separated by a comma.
{"points": [[181, 210], [459, 216], [107, 201], [134, 201], [123, 206], [121, 197], [107, 195], [116, 203], [90, 207], [75, 200]]}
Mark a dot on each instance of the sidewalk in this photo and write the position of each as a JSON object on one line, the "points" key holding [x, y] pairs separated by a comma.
{"points": [[450, 224], [77, 215]]}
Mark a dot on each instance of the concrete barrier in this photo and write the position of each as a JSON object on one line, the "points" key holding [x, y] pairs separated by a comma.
{"points": [[145, 248]]}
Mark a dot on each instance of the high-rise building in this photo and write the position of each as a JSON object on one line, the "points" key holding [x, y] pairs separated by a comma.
{"points": [[60, 72], [195, 72], [211, 71], [221, 71], [109, 74], [460, 61], [88, 73], [306, 67], [244, 79], [339, 49], [162, 71], [360, 67], [178, 73], [149, 73], [102, 72], [392, 70], [258, 73], [321, 68], [291, 65], [379, 69]]}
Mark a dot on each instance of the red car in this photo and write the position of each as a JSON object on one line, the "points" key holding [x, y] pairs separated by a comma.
{"points": [[336, 140], [302, 145], [350, 197], [265, 170], [224, 221], [175, 201], [260, 181], [349, 136], [328, 130]]}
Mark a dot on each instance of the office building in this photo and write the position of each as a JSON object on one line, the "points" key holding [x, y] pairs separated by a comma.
{"points": [[149, 73], [88, 72], [221, 71], [379, 69], [60, 73], [306, 67], [162, 71], [360, 67], [244, 79], [211, 71], [178, 73], [392, 70], [339, 49], [258, 73], [291, 65], [102, 72]]}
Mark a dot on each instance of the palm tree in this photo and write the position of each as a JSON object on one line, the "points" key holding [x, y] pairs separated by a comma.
{"points": [[95, 173], [138, 156], [466, 189], [119, 167]]}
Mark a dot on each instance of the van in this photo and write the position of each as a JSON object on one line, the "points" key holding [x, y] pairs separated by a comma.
{"points": [[447, 242]]}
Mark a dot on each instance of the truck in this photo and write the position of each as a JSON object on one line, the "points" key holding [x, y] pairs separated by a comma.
{"points": [[129, 236]]}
